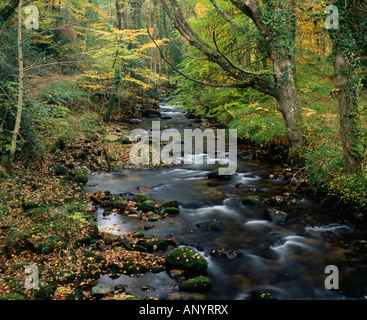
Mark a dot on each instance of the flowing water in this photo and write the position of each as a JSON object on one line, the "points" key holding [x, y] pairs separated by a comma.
{"points": [[287, 260]]}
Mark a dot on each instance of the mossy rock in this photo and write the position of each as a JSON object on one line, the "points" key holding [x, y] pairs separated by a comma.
{"points": [[277, 201], [127, 265], [60, 170], [158, 269], [77, 294], [114, 202], [139, 248], [159, 244], [199, 284], [185, 258], [154, 217], [141, 197], [45, 292], [171, 204], [171, 210], [95, 199], [80, 155], [138, 235], [132, 269], [147, 206], [252, 200], [81, 178]]}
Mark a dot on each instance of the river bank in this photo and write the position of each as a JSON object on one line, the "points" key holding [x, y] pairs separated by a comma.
{"points": [[73, 255]]}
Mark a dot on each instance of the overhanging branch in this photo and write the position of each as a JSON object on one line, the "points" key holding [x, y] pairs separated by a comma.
{"points": [[213, 85]]}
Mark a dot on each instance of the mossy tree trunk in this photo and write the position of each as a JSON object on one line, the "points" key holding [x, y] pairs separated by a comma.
{"points": [[349, 49], [347, 85]]}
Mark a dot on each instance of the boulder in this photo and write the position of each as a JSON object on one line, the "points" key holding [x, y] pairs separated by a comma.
{"points": [[159, 244], [141, 197], [81, 178], [147, 206], [185, 258], [171, 204], [171, 210], [114, 202], [108, 237]]}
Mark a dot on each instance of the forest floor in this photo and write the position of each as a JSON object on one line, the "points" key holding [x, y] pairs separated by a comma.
{"points": [[46, 221]]}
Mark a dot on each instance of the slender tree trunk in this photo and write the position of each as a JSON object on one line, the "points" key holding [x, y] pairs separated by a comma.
{"points": [[119, 9], [13, 145], [347, 85]]}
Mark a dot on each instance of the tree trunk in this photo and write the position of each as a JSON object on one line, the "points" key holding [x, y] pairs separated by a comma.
{"points": [[13, 145], [288, 104], [347, 85]]}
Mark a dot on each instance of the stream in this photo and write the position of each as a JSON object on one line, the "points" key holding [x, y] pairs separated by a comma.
{"points": [[288, 260]]}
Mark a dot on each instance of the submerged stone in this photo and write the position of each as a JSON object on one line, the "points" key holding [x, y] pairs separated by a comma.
{"points": [[199, 284], [277, 216], [252, 200]]}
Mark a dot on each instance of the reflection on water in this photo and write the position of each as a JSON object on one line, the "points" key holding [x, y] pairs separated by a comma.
{"points": [[289, 260]]}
